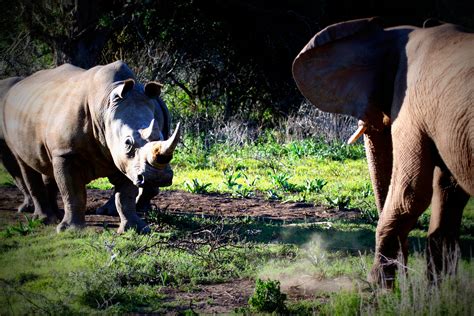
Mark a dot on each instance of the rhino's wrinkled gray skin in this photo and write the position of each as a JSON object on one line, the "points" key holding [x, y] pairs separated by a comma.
{"points": [[6, 156], [148, 192], [72, 126]]}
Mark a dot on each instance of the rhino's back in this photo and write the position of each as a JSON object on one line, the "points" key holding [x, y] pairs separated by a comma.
{"points": [[44, 94], [46, 113], [53, 112]]}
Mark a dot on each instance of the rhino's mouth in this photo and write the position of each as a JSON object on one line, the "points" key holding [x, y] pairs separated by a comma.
{"points": [[154, 176], [140, 181]]}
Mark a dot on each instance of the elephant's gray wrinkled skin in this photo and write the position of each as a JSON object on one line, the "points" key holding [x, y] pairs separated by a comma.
{"points": [[67, 126], [413, 91]]}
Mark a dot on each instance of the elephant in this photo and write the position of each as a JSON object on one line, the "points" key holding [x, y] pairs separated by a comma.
{"points": [[412, 90]]}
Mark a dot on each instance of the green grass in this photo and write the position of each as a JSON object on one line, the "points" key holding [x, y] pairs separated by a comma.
{"points": [[5, 178], [287, 170], [89, 272], [84, 272]]}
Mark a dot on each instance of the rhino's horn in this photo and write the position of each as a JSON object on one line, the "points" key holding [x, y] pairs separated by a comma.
{"points": [[146, 132], [162, 151]]}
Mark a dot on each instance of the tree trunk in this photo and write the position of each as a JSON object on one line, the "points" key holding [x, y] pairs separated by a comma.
{"points": [[85, 42]]}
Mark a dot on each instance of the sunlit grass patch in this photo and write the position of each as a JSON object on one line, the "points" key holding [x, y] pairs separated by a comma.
{"points": [[5, 178], [100, 184]]}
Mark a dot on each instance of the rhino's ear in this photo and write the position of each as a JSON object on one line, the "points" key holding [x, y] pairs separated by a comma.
{"points": [[124, 88], [120, 92], [153, 89]]}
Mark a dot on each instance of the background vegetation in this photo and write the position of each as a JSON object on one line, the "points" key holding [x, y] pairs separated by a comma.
{"points": [[221, 61], [226, 66]]}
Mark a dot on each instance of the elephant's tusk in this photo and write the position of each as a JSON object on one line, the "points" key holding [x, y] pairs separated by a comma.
{"points": [[358, 133]]}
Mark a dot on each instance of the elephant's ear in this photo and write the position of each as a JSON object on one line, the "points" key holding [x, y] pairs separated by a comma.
{"points": [[339, 70]]}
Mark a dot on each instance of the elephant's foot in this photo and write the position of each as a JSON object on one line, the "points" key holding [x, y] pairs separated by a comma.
{"points": [[136, 223], [26, 207], [382, 274]]}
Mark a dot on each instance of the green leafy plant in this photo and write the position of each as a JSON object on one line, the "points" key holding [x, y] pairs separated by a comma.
{"points": [[367, 190], [267, 297], [231, 178], [281, 180], [244, 191], [340, 201], [22, 228], [315, 185], [273, 195], [369, 214], [196, 187]]}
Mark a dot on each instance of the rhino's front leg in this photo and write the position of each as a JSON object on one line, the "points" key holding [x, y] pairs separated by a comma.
{"points": [[72, 186], [145, 197], [125, 196]]}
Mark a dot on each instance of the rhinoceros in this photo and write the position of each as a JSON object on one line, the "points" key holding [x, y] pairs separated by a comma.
{"points": [[8, 160], [6, 156], [67, 126]]}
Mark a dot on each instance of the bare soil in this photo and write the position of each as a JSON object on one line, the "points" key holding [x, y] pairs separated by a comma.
{"points": [[180, 202], [207, 299]]}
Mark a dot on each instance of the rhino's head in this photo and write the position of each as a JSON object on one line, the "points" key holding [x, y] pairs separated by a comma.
{"points": [[134, 125]]}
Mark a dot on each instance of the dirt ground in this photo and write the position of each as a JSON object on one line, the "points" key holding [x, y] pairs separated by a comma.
{"points": [[181, 202], [207, 299]]}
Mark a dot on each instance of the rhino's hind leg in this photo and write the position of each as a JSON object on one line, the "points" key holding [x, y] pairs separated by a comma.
{"points": [[73, 191], [125, 197], [11, 164], [143, 202], [39, 194]]}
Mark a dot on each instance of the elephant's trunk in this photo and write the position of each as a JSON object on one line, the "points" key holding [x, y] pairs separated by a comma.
{"points": [[378, 149]]}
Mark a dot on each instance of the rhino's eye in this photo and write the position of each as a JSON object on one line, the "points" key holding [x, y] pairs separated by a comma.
{"points": [[129, 145]]}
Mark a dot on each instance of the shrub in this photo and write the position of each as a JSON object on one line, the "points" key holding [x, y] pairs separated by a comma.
{"points": [[340, 201], [268, 297]]}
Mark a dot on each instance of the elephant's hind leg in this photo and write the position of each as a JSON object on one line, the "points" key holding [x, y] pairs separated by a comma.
{"points": [[409, 195], [448, 202]]}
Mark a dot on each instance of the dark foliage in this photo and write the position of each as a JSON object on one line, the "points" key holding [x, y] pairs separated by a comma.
{"points": [[230, 58]]}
